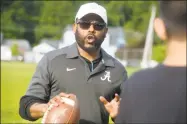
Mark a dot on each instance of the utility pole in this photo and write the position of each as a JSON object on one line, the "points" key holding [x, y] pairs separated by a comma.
{"points": [[147, 53]]}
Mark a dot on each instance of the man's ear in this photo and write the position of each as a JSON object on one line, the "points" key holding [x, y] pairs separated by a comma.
{"points": [[160, 29], [106, 30], [74, 27]]}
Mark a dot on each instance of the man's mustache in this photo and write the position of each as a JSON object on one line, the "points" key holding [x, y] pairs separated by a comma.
{"points": [[91, 35]]}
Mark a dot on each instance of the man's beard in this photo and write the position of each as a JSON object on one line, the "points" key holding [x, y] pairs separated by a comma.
{"points": [[81, 42]]}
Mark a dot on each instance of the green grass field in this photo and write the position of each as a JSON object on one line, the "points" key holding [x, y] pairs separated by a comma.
{"points": [[15, 77]]}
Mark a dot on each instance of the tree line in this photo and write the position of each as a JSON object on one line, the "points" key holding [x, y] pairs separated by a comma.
{"points": [[34, 20]]}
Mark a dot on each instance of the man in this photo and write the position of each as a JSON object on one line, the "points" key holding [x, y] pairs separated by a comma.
{"points": [[83, 69], [158, 95]]}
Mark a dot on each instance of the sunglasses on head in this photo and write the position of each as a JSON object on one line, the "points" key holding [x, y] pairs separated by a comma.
{"points": [[86, 25]]}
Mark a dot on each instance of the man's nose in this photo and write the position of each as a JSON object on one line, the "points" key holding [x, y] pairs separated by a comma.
{"points": [[91, 28]]}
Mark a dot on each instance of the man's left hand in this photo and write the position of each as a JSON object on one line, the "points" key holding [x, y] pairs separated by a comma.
{"points": [[112, 106]]}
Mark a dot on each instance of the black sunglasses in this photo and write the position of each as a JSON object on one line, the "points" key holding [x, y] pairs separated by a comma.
{"points": [[86, 25]]}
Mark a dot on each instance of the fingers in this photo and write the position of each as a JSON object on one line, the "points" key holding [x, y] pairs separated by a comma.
{"points": [[57, 99], [117, 98], [118, 103], [64, 95], [103, 100], [54, 101]]}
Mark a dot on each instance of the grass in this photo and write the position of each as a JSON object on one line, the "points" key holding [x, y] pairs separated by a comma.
{"points": [[15, 77]]}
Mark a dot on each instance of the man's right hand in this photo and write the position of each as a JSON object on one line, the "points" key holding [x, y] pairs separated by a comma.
{"points": [[37, 110]]}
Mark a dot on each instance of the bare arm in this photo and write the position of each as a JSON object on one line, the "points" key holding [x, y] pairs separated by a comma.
{"points": [[37, 110]]}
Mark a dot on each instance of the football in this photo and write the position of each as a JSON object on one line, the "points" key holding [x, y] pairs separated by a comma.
{"points": [[67, 112]]}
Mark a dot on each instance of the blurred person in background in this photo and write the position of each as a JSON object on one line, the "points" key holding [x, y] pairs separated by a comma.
{"points": [[158, 95], [83, 69]]}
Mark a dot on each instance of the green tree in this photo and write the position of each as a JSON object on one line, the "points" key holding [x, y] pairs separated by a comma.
{"points": [[134, 16], [15, 49], [34, 20], [20, 19], [159, 52], [55, 15], [9, 27]]}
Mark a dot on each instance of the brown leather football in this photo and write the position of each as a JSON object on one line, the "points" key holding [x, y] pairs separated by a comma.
{"points": [[67, 112]]}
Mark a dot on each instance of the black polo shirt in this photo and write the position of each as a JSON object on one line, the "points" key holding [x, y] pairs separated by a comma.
{"points": [[64, 70]]}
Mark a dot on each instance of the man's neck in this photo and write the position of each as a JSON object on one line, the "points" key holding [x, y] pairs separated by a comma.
{"points": [[176, 53], [89, 56]]}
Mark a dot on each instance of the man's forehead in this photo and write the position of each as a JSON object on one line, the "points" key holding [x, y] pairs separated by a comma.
{"points": [[92, 17]]}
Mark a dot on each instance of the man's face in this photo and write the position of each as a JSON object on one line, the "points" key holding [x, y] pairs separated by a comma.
{"points": [[90, 32]]}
